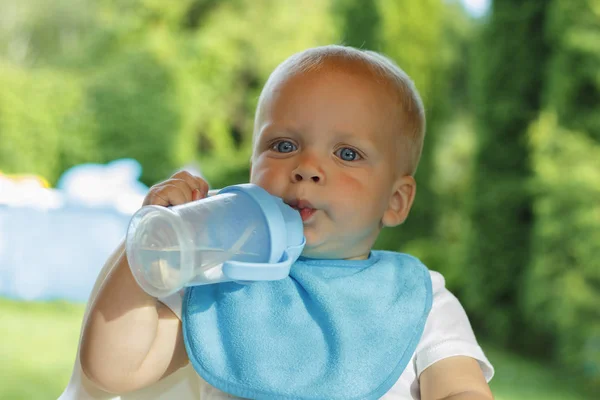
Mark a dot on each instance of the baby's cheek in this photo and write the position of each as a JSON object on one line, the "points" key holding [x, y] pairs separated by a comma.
{"points": [[352, 186], [358, 199], [267, 178]]}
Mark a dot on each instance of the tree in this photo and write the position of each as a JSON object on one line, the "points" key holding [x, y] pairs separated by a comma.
{"points": [[506, 98], [562, 287], [359, 23], [573, 89]]}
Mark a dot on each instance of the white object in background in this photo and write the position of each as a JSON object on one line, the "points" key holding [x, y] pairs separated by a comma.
{"points": [[28, 192], [113, 185]]}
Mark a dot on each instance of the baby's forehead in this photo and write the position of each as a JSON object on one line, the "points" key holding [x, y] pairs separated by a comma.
{"points": [[358, 69], [371, 90], [346, 87]]}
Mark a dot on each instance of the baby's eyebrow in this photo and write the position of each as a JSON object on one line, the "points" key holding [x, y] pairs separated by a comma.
{"points": [[355, 139], [270, 130]]}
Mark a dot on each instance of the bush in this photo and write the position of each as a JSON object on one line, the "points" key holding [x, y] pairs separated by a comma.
{"points": [[562, 288], [134, 104], [42, 123]]}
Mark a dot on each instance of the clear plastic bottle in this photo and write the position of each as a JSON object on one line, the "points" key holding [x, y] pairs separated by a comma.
{"points": [[241, 233]]}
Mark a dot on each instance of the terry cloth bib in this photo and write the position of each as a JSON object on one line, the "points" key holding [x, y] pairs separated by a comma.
{"points": [[333, 329]]}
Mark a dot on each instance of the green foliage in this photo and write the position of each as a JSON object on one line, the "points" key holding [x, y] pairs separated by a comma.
{"points": [[43, 126], [563, 284], [134, 103], [39, 33], [452, 180], [411, 35], [453, 156], [21, 129], [506, 99], [359, 23], [573, 82]]}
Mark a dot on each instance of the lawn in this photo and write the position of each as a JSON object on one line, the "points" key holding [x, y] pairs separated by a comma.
{"points": [[39, 344], [518, 378]]}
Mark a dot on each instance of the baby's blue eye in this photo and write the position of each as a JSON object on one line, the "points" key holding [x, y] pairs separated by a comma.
{"points": [[347, 154], [283, 146]]}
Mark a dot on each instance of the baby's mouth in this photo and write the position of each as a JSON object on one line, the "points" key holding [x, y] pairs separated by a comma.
{"points": [[306, 213], [304, 207]]}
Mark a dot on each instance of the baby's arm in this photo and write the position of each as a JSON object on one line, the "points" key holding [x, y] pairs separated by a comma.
{"points": [[454, 378], [130, 339], [449, 362]]}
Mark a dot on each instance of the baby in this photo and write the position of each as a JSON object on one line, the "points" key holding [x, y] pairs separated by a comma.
{"points": [[338, 135]]}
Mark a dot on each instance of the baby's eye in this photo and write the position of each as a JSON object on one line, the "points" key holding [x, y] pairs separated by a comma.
{"points": [[347, 154], [283, 146]]}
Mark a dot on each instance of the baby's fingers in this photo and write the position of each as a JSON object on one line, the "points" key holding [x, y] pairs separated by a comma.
{"points": [[167, 194], [198, 185], [197, 194]]}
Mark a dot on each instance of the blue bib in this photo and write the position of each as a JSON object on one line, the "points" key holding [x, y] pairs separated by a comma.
{"points": [[333, 329]]}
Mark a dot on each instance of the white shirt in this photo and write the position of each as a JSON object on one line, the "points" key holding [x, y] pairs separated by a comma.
{"points": [[447, 333]]}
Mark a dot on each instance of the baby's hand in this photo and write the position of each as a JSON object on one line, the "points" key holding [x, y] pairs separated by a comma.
{"points": [[181, 188]]}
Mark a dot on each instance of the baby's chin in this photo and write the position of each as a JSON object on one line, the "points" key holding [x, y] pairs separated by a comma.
{"points": [[322, 245], [318, 252]]}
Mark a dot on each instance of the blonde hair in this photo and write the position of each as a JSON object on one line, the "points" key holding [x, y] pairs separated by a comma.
{"points": [[411, 105]]}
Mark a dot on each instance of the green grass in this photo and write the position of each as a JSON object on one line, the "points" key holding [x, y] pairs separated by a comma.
{"points": [[39, 343], [518, 378]]}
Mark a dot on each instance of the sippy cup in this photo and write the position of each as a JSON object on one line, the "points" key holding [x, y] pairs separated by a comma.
{"points": [[242, 233]]}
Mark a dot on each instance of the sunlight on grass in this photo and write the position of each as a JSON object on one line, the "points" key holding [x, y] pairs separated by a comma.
{"points": [[39, 343], [522, 379]]}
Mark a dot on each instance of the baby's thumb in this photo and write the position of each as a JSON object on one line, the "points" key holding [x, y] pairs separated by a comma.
{"points": [[196, 194]]}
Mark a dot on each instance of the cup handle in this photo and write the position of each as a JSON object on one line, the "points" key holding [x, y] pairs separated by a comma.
{"points": [[249, 272], [245, 272]]}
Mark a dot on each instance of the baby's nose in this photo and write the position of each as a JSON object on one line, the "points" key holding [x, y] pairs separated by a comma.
{"points": [[306, 172], [300, 177]]}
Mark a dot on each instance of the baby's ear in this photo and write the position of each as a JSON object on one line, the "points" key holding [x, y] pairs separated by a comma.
{"points": [[401, 201]]}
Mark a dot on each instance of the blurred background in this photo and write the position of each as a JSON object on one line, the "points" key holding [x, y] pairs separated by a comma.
{"points": [[101, 99]]}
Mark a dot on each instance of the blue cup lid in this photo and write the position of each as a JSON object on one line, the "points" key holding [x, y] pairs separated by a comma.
{"points": [[286, 234]]}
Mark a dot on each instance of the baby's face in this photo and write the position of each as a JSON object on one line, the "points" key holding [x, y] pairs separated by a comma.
{"points": [[326, 142]]}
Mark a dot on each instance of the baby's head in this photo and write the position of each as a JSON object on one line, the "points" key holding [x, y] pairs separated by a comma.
{"points": [[338, 134]]}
